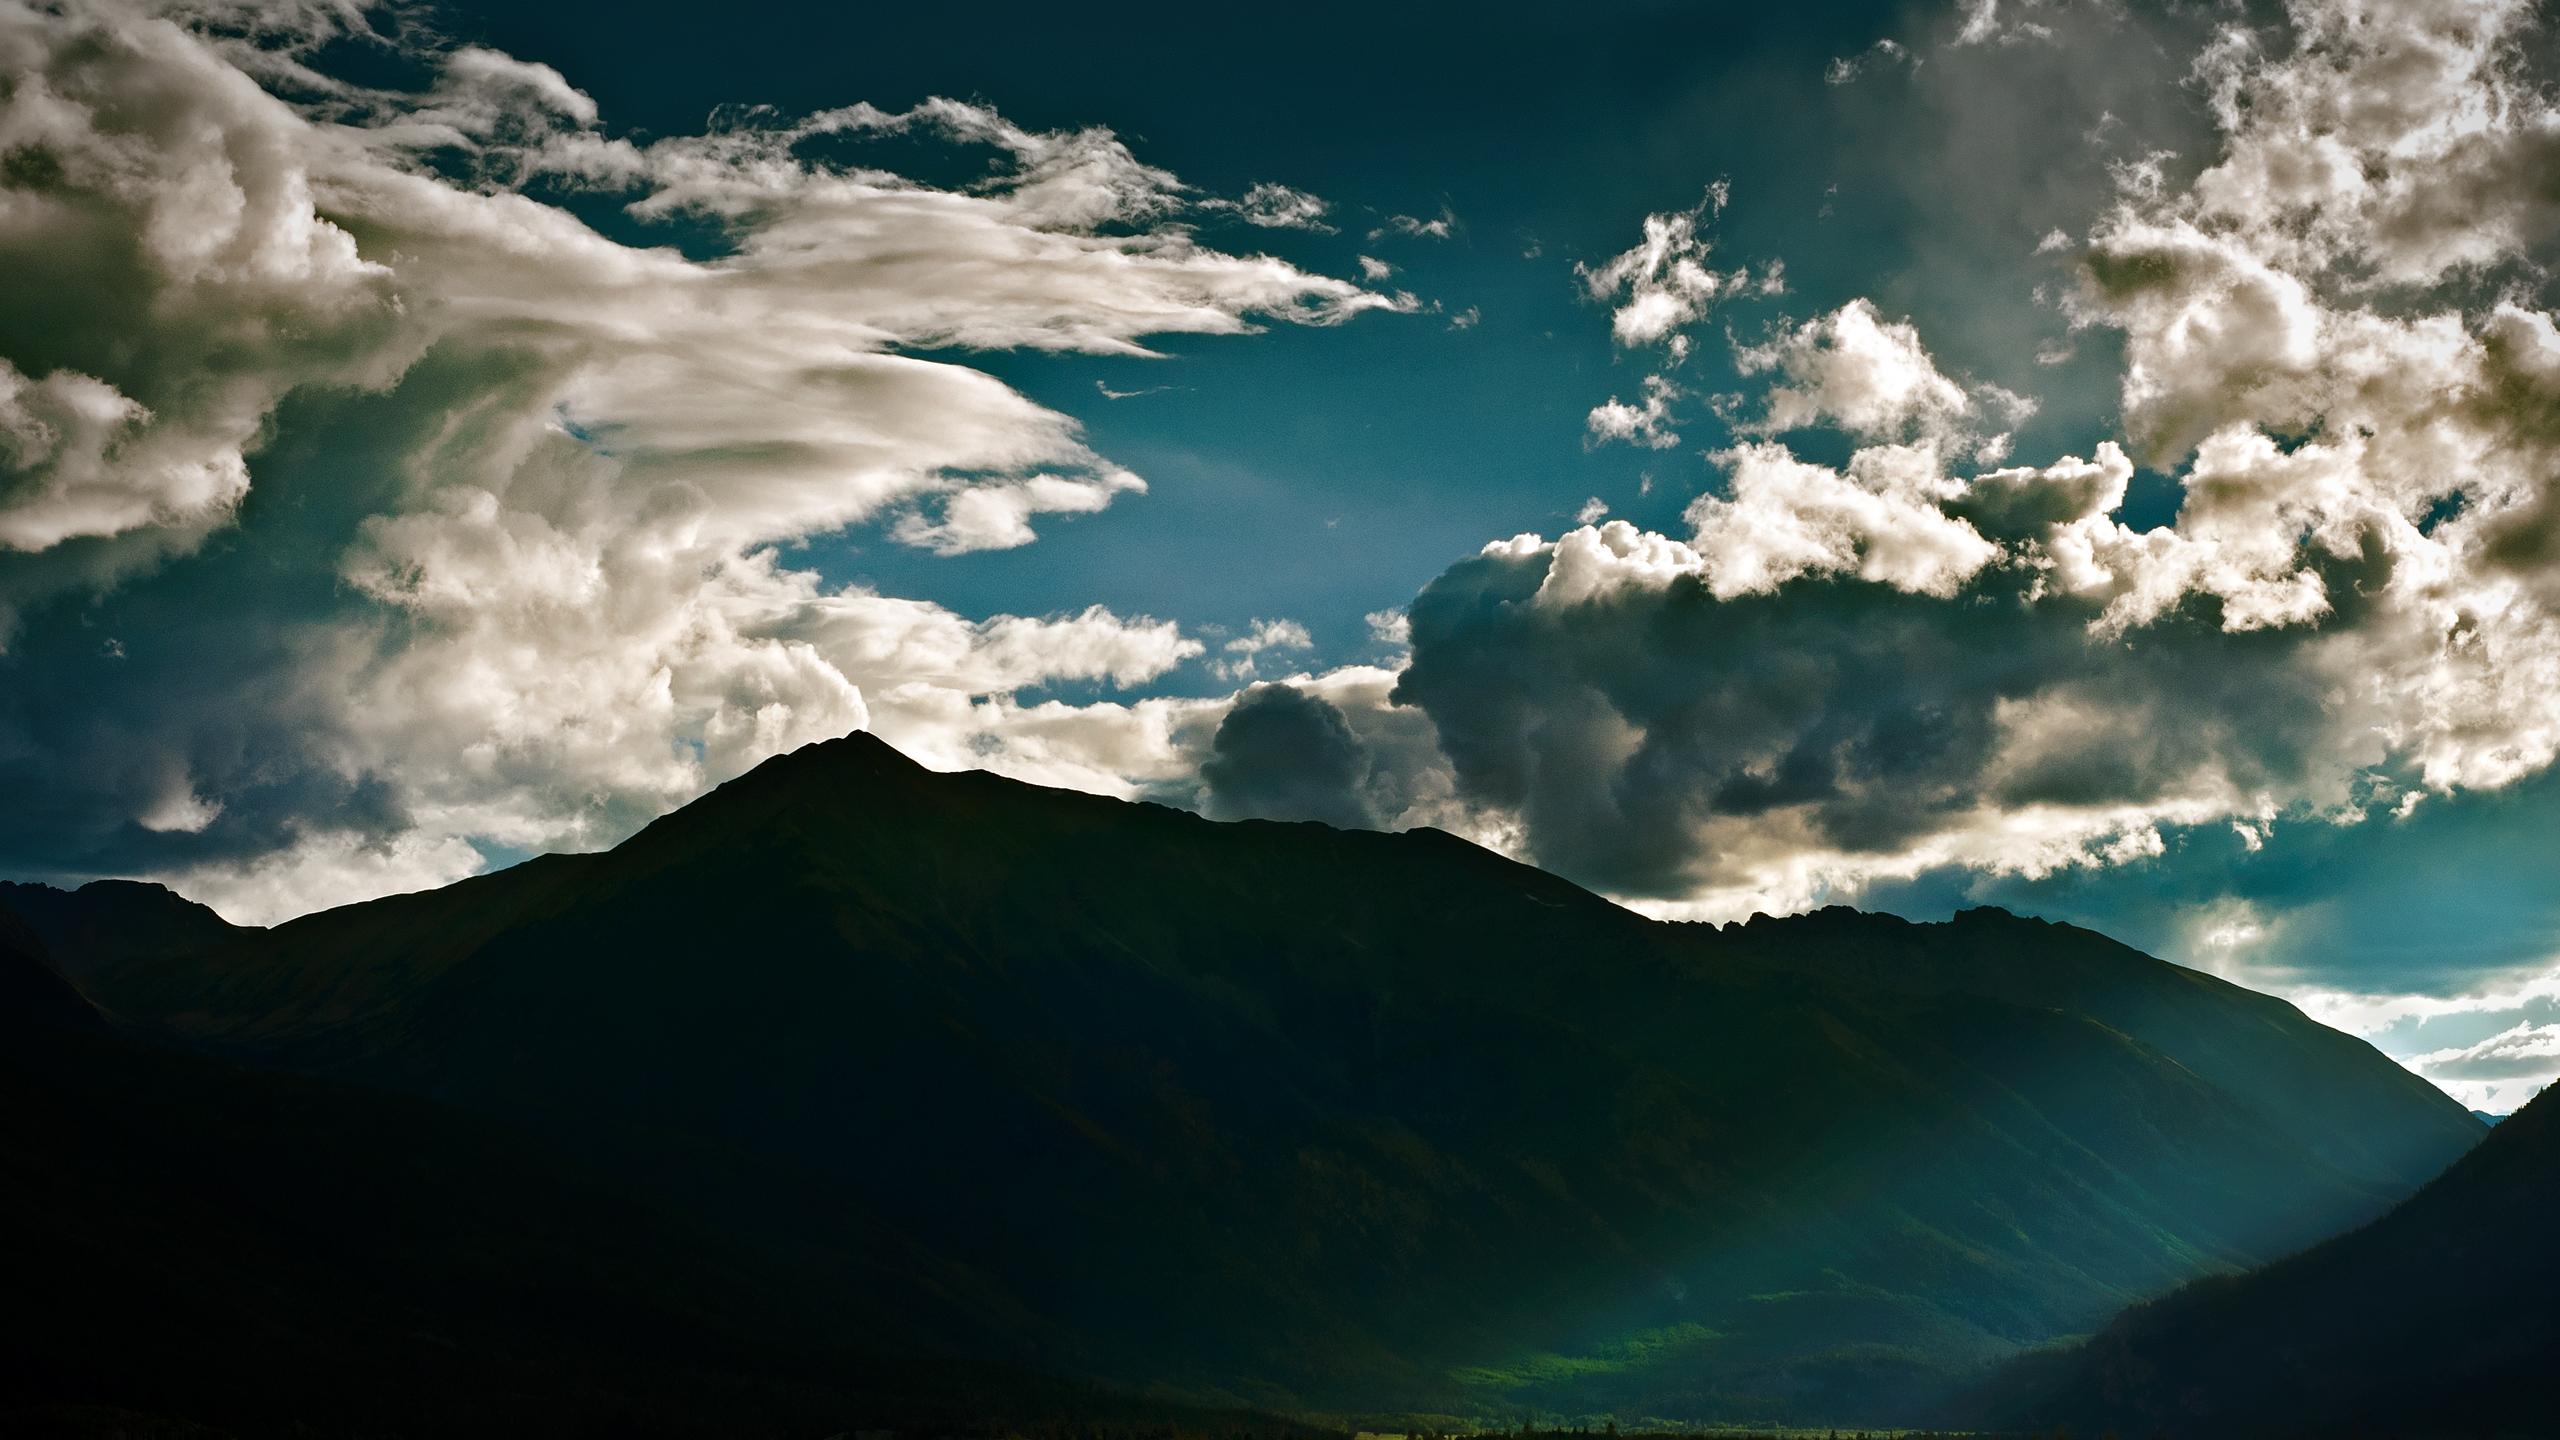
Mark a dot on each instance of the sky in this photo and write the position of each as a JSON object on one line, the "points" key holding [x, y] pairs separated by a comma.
{"points": [[2099, 459]]}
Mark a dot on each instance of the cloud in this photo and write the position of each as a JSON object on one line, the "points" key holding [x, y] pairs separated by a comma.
{"points": [[2497, 1074], [2516, 1058], [2391, 143], [1845, 69], [2373, 1014], [1663, 284], [1707, 723], [512, 511], [1244, 653], [2524, 1052], [152, 191], [1848, 674], [324, 870], [1656, 291], [1647, 424], [1284, 754], [998, 517], [435, 524], [1880, 520], [1279, 207], [1334, 747], [1439, 227], [1868, 377], [1982, 23]]}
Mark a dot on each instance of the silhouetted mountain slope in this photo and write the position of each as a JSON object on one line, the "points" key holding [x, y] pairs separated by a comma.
{"points": [[2440, 1319], [1305, 1117], [32, 995], [198, 1248]]}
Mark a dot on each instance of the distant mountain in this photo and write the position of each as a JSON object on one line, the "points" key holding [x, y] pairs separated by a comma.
{"points": [[110, 921], [2486, 1118], [1287, 1117], [2440, 1319]]}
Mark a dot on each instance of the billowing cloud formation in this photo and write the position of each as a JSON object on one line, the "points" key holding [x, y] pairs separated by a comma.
{"points": [[513, 576], [1845, 672], [171, 280], [1287, 754], [2394, 143], [1330, 748], [1871, 379]]}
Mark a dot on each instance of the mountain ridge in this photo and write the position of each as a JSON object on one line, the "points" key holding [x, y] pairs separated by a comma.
{"points": [[1297, 1117]]}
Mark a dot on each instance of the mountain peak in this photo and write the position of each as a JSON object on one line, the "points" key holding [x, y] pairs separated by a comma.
{"points": [[781, 784], [111, 919], [854, 749]]}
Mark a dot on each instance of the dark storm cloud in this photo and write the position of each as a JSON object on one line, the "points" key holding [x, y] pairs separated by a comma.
{"points": [[1284, 754], [1864, 718]]}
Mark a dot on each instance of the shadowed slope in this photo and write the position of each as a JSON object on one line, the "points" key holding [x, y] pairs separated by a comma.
{"points": [[32, 996], [202, 1249], [2440, 1319], [2253, 1046]]}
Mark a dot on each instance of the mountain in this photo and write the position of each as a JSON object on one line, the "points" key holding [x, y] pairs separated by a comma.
{"points": [[201, 1249], [2440, 1319], [106, 921], [34, 998], [2246, 1043], [1280, 1116], [2486, 1118]]}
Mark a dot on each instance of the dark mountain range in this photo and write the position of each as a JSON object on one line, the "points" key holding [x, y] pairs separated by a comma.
{"points": [[1287, 1117], [2440, 1319]]}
